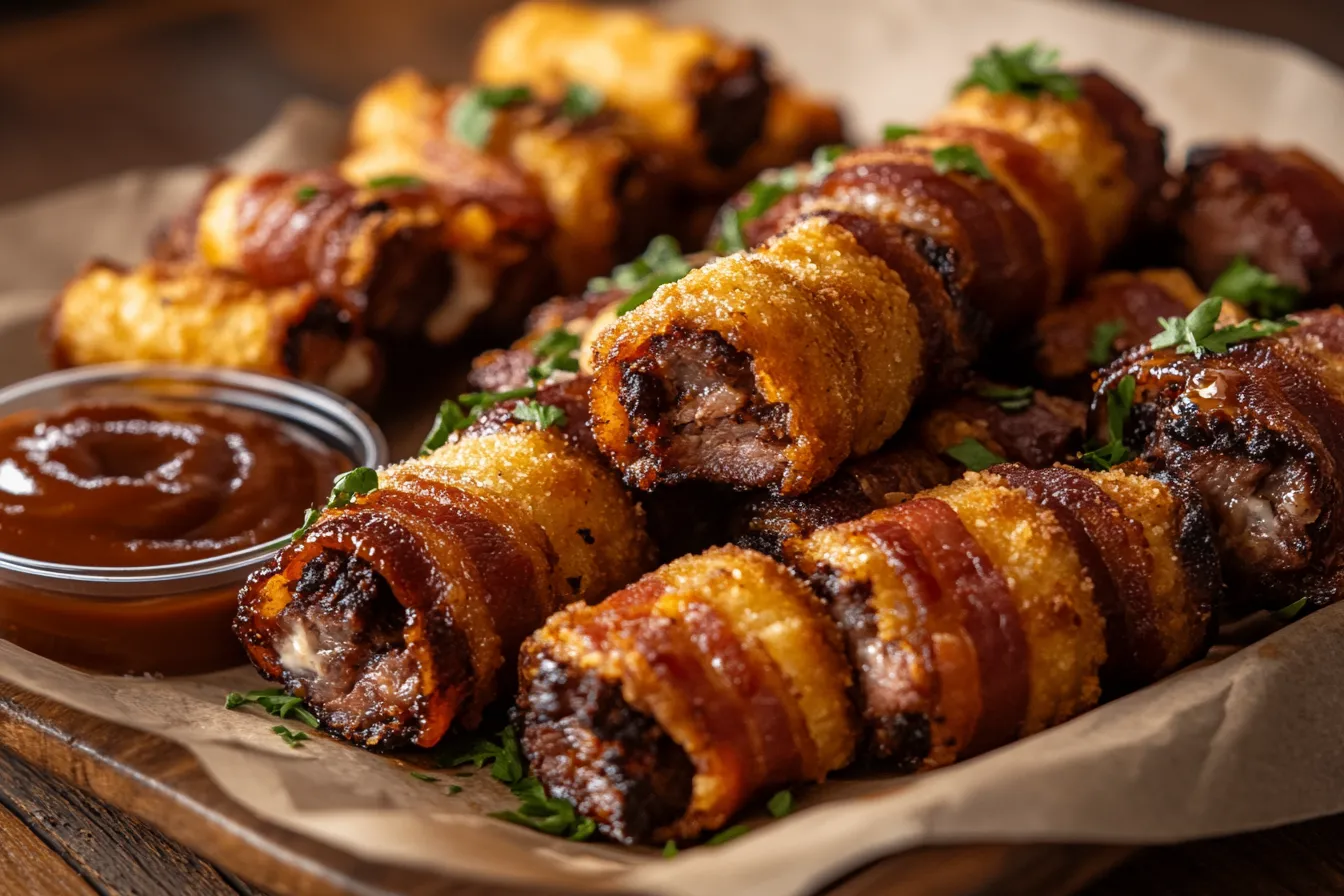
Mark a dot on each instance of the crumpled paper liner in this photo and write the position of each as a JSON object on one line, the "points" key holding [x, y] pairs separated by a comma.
{"points": [[1244, 742]]}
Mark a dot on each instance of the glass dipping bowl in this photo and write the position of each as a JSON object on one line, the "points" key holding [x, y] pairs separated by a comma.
{"points": [[175, 618]]}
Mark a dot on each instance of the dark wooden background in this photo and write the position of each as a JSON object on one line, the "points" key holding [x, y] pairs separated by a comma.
{"points": [[87, 89]]}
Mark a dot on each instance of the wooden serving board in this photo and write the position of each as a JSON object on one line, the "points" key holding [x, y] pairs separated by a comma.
{"points": [[162, 784]]}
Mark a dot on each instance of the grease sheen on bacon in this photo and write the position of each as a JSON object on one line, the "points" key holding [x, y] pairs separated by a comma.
{"points": [[401, 614], [663, 710], [986, 610]]}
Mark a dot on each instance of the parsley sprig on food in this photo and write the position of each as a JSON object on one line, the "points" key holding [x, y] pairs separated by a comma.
{"points": [[1029, 70], [1103, 341], [960, 157], [581, 101], [768, 189], [276, 702], [1119, 401], [973, 455], [359, 481], [1255, 289], [1009, 398], [1198, 332], [457, 414], [472, 117], [556, 351], [662, 262]]}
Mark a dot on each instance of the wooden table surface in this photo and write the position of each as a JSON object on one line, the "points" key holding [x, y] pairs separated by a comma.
{"points": [[90, 89]]}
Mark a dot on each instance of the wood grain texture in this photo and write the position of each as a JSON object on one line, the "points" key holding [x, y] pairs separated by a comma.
{"points": [[28, 865]]}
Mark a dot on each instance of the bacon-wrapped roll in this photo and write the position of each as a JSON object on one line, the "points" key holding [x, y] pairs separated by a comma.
{"points": [[1258, 429], [402, 613], [986, 610], [1281, 208], [663, 710], [577, 181], [187, 314], [1036, 429], [1115, 312], [379, 252]]}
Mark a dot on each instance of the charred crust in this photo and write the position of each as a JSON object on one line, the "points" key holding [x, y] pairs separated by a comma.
{"points": [[326, 321], [1197, 549]]}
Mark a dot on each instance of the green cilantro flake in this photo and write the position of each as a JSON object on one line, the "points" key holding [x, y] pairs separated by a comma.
{"points": [[276, 702], [581, 101], [421, 776], [454, 790], [894, 132], [396, 182], [457, 415], [1292, 611], [359, 481], [1010, 398], [293, 738], [1255, 289], [1198, 332], [553, 816], [974, 456], [960, 157], [780, 804], [555, 352], [765, 191], [543, 415], [669, 849], [305, 194], [660, 263], [503, 752], [823, 162], [1029, 70], [472, 117], [727, 834], [1119, 401], [1103, 341]]}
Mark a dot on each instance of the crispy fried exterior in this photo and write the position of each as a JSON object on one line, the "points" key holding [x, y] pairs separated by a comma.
{"points": [[1047, 431], [721, 668], [770, 366], [379, 252], [188, 314], [988, 609], [1281, 208], [401, 613], [1258, 430], [1066, 337]]}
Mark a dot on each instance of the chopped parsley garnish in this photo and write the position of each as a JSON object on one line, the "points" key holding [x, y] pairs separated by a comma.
{"points": [[1198, 332], [1009, 398], [1119, 401], [359, 481], [472, 117], [960, 157], [555, 351], [543, 415], [768, 189], [669, 849], [1103, 341], [974, 456], [466, 410], [581, 101], [421, 776], [294, 739], [454, 790], [1255, 289], [276, 702], [662, 262], [537, 811], [305, 194], [893, 132], [780, 804], [1292, 611], [727, 834], [396, 182], [1029, 70]]}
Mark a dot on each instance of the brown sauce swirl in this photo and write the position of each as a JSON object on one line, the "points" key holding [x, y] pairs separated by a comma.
{"points": [[144, 484]]}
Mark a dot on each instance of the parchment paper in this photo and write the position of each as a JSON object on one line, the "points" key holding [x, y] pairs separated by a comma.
{"points": [[1246, 741]]}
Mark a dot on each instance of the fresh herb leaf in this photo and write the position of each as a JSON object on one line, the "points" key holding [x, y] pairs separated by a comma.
{"points": [[1292, 611], [502, 752], [553, 816], [1104, 335], [293, 738], [454, 790], [421, 776], [727, 834], [1029, 70], [669, 849], [359, 481], [305, 194], [1255, 289], [894, 132], [1198, 332], [466, 410], [974, 456], [555, 352], [662, 262], [396, 182], [1009, 398], [768, 189], [472, 117], [543, 415], [960, 157], [276, 702], [780, 804], [1119, 402], [581, 101], [823, 163]]}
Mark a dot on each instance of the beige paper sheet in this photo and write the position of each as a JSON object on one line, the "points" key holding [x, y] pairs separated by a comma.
{"points": [[1245, 742]]}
